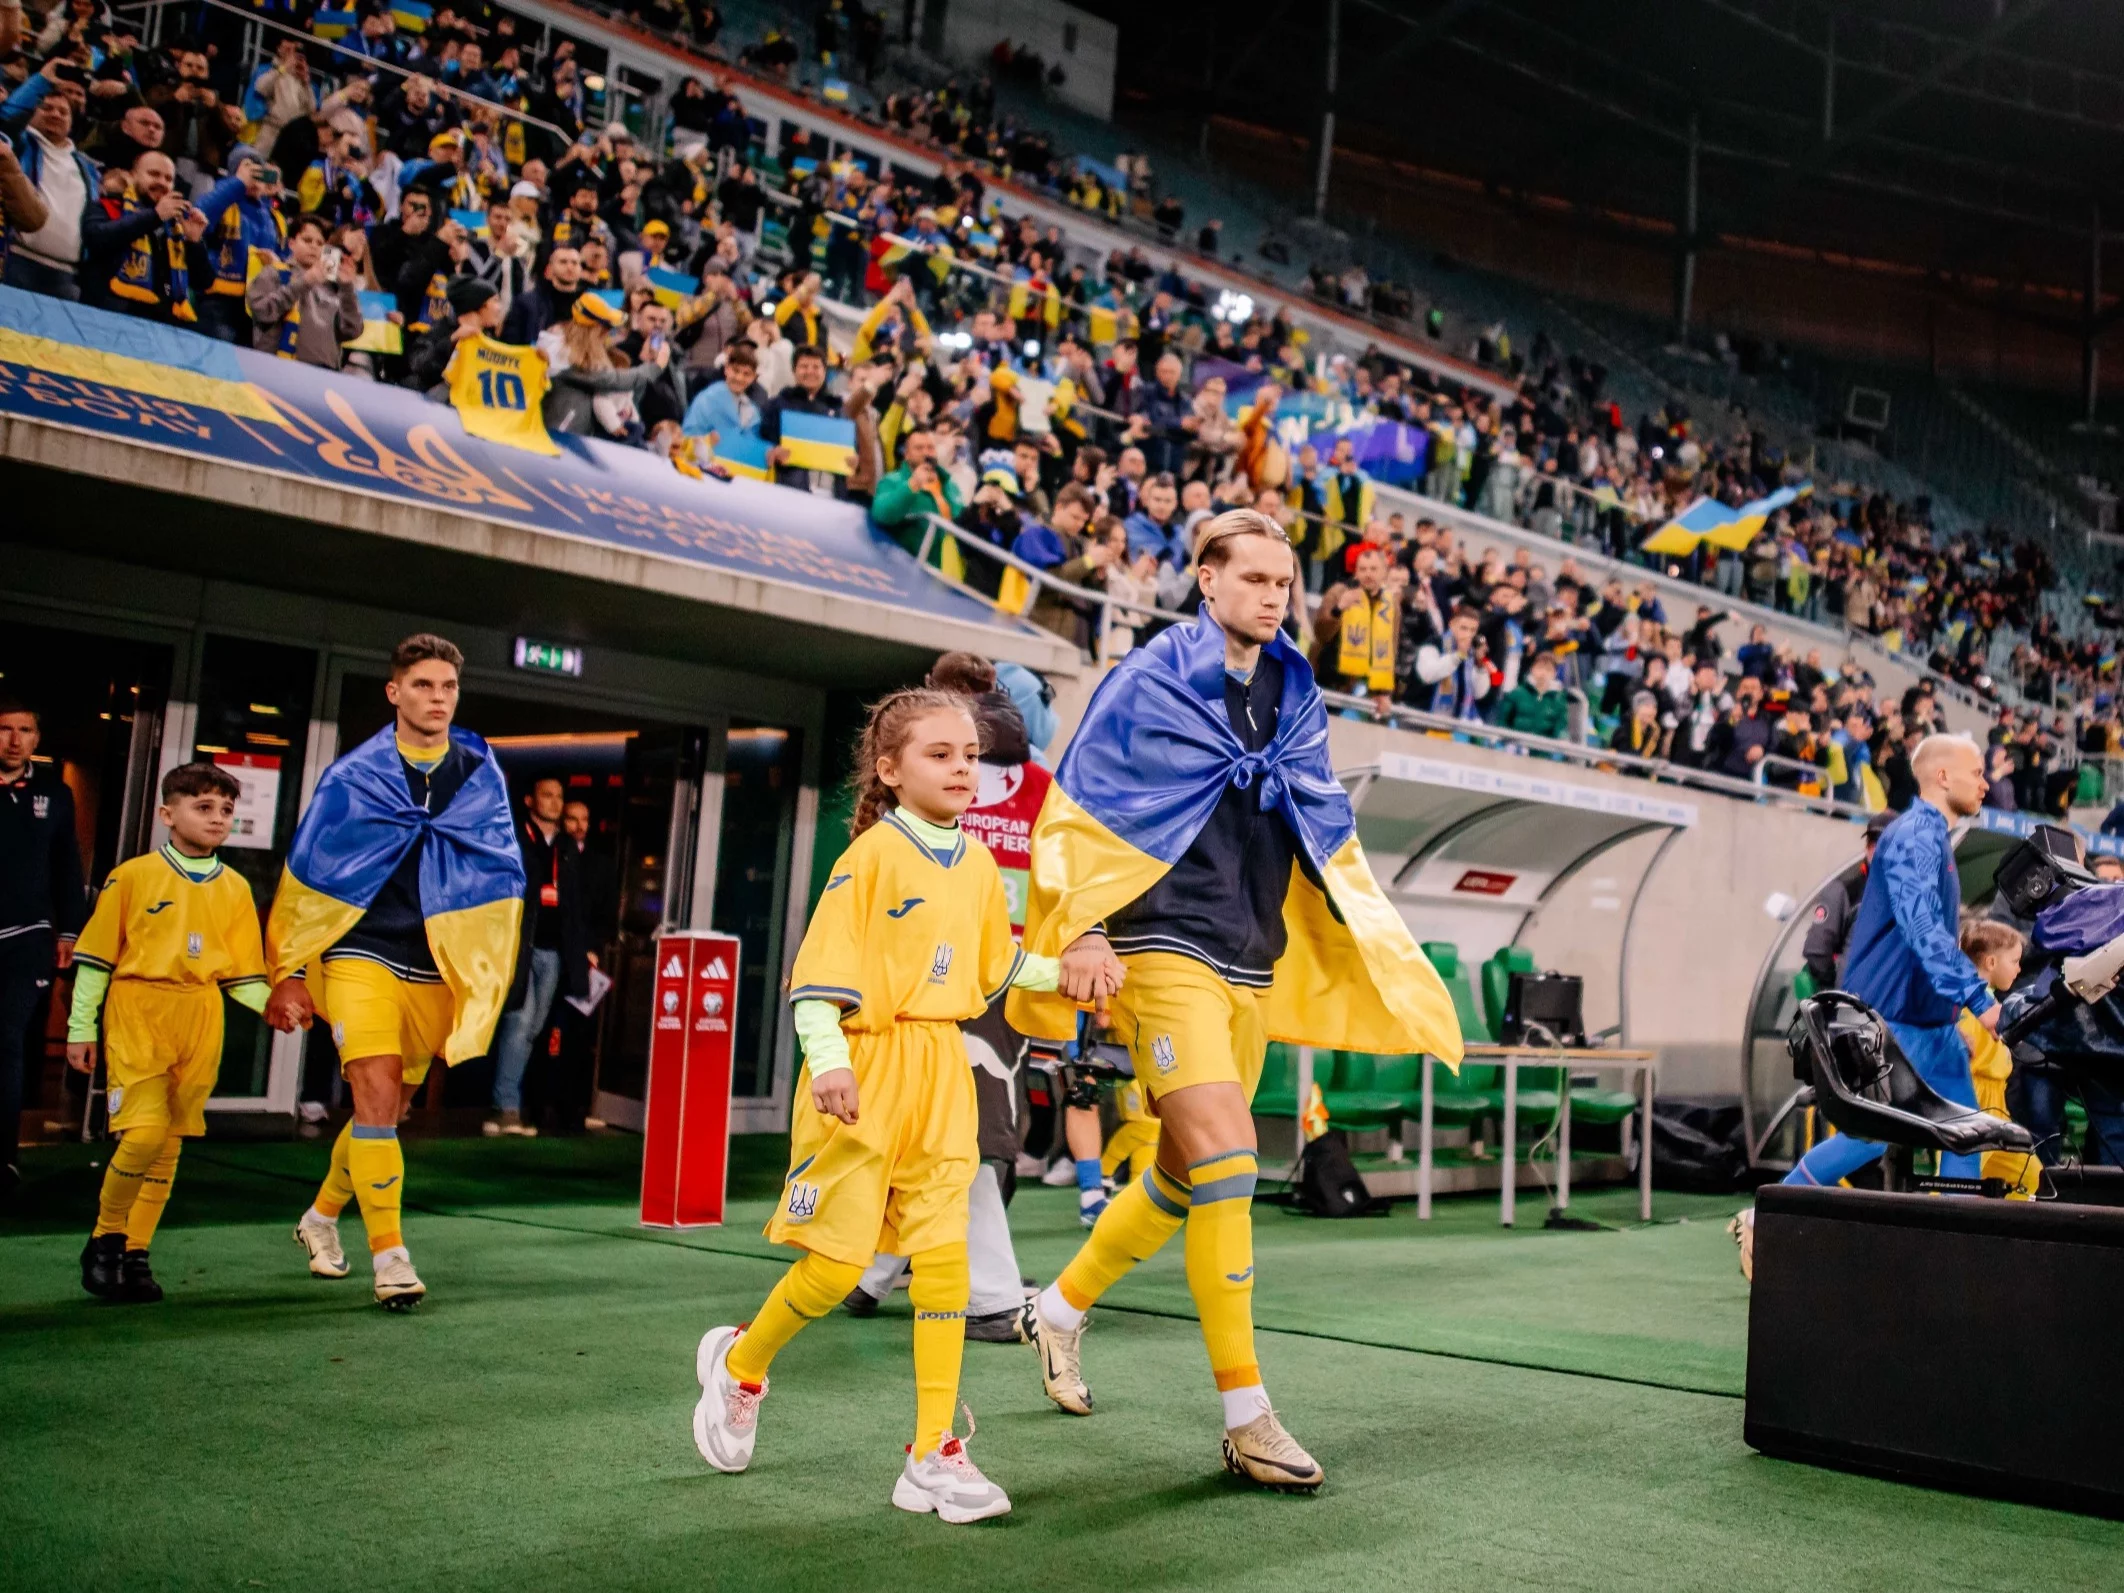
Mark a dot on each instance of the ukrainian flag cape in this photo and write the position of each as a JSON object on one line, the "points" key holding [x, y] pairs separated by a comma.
{"points": [[357, 830], [1140, 779]]}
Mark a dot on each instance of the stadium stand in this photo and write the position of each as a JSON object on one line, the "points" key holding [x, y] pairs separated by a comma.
{"points": [[688, 208]]}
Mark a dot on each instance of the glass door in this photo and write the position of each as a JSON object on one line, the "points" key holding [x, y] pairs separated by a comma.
{"points": [[762, 770], [252, 707]]}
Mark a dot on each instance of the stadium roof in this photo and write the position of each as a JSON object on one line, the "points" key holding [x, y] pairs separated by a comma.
{"points": [[1965, 135]]}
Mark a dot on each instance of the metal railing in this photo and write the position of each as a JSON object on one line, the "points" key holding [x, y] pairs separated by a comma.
{"points": [[1107, 614]]}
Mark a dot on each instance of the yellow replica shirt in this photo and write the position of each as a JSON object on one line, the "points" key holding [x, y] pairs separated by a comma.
{"points": [[157, 922], [499, 392], [906, 930]]}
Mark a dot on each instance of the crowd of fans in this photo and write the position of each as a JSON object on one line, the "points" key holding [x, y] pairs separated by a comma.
{"points": [[1069, 411]]}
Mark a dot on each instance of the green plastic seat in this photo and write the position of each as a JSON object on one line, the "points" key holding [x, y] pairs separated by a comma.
{"points": [[1478, 1090], [1356, 1099], [1497, 981], [1592, 1104], [1277, 1094]]}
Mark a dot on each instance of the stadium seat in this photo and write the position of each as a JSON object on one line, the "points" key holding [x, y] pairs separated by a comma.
{"points": [[1497, 981], [1358, 1098], [1277, 1094], [1478, 1090], [1590, 1103]]}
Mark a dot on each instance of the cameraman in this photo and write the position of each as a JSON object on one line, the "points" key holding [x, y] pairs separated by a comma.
{"points": [[1455, 670], [1905, 960]]}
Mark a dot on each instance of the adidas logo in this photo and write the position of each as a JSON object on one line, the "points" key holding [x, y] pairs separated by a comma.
{"points": [[715, 970], [674, 969]]}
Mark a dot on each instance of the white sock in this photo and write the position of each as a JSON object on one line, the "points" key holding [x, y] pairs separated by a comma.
{"points": [[383, 1258], [314, 1215], [1242, 1405], [1055, 1309]]}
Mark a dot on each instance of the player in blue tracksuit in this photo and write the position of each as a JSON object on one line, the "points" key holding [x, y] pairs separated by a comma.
{"points": [[1904, 960]]}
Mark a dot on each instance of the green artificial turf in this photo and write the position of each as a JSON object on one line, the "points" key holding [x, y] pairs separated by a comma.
{"points": [[1511, 1410]]}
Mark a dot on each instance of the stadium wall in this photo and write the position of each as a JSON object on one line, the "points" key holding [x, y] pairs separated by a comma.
{"points": [[1700, 930]]}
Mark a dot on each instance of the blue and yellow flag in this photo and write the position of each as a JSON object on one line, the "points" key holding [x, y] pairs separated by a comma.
{"points": [[357, 830], [672, 288], [819, 442], [379, 333], [744, 455], [412, 15], [328, 23], [1142, 775]]}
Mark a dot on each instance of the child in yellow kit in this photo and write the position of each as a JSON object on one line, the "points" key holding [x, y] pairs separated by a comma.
{"points": [[912, 935], [172, 931], [1995, 949]]}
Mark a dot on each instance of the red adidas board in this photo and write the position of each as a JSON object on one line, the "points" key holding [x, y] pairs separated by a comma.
{"points": [[686, 1123]]}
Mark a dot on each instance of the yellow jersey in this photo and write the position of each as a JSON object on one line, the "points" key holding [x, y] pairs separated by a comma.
{"points": [[499, 391], [156, 923], [908, 932]]}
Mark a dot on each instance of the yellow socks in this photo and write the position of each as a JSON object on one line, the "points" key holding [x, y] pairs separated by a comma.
{"points": [[154, 1196], [938, 1291], [816, 1284], [377, 1168], [142, 1155], [808, 1290], [1220, 1275], [1134, 1226], [338, 1187]]}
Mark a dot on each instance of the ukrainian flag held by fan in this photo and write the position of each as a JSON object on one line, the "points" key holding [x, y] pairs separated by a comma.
{"points": [[1141, 777], [357, 830]]}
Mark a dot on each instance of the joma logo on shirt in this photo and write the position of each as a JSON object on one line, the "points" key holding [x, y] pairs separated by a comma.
{"points": [[158, 907], [904, 908]]}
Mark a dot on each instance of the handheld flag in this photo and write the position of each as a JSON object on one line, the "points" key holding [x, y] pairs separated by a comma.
{"points": [[672, 288], [412, 15], [473, 221], [379, 333], [820, 442], [744, 455], [333, 24]]}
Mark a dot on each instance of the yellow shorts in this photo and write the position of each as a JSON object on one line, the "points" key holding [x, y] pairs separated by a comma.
{"points": [[1183, 1025], [897, 1178], [373, 1012], [162, 1048], [1133, 1145]]}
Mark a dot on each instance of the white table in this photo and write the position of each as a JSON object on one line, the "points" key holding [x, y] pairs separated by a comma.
{"points": [[1511, 1059]]}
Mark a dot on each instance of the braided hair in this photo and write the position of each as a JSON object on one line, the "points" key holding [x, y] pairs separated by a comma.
{"points": [[885, 736]]}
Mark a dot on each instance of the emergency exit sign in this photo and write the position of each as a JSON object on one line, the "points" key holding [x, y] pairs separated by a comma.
{"points": [[548, 658]]}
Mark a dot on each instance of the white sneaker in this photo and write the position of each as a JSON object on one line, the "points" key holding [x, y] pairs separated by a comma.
{"points": [[727, 1417], [947, 1481], [1061, 1174], [1061, 1360], [1742, 1232], [320, 1236], [398, 1286], [1263, 1452]]}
